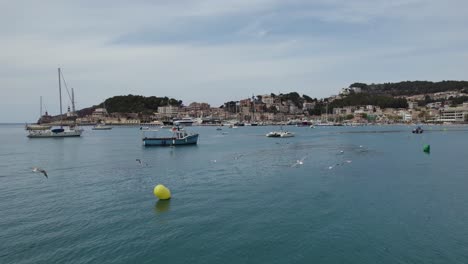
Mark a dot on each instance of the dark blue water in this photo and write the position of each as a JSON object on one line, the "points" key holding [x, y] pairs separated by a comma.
{"points": [[237, 198]]}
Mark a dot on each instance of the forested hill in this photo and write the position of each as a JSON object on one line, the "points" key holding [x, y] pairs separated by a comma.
{"points": [[132, 104], [412, 87]]}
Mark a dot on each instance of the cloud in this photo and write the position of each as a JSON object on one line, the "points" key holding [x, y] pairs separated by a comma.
{"points": [[221, 50]]}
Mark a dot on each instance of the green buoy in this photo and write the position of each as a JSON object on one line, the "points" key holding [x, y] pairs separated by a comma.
{"points": [[427, 148]]}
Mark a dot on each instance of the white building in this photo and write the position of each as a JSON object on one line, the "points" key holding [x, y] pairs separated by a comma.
{"points": [[347, 91], [407, 117], [412, 105], [307, 105], [454, 114], [268, 100], [99, 113], [169, 110]]}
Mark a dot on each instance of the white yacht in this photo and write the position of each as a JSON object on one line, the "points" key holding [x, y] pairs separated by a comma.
{"points": [[274, 134], [186, 121]]}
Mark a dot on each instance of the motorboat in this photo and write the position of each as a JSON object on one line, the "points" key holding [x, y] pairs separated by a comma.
{"points": [[186, 121], [101, 127], [418, 130], [179, 137], [274, 134]]}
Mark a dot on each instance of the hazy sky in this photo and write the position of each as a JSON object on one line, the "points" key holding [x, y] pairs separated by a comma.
{"points": [[219, 50]]}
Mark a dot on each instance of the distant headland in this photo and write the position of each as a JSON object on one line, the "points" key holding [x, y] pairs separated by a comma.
{"points": [[360, 103]]}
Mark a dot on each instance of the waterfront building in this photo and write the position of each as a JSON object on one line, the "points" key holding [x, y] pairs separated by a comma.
{"points": [[168, 111], [454, 114]]}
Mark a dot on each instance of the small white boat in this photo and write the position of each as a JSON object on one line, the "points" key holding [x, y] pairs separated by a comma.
{"points": [[274, 134], [186, 121], [101, 127], [325, 124], [70, 131]]}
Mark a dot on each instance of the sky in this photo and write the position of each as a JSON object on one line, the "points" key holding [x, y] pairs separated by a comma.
{"points": [[216, 51]]}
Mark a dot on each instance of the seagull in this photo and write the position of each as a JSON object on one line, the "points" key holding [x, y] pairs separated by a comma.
{"points": [[41, 171], [298, 162], [141, 162], [331, 167], [341, 151]]}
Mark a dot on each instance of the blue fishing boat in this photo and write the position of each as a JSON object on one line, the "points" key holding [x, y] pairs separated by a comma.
{"points": [[179, 137]]}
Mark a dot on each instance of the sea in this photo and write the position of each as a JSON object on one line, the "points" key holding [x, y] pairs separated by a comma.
{"points": [[328, 195]]}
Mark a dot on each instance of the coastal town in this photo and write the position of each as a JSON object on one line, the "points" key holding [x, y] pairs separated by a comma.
{"points": [[438, 107]]}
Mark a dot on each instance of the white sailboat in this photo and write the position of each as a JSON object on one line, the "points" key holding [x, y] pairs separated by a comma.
{"points": [[70, 131]]}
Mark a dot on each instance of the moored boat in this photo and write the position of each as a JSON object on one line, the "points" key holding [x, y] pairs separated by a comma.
{"points": [[186, 121], [274, 134], [53, 133], [418, 130], [70, 131], [101, 127], [179, 137]]}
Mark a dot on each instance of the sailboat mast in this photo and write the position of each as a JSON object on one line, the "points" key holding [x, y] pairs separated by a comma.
{"points": [[40, 107], [73, 101], [60, 95], [253, 117]]}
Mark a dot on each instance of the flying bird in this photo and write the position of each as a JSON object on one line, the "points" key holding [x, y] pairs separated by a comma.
{"points": [[39, 170], [299, 162]]}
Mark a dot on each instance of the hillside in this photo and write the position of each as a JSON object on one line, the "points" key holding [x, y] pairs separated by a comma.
{"points": [[132, 104], [412, 87], [360, 99]]}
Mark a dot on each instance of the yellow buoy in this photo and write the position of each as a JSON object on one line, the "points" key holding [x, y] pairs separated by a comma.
{"points": [[162, 192]]}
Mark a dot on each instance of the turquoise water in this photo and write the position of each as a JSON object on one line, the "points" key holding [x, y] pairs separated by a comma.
{"points": [[237, 198]]}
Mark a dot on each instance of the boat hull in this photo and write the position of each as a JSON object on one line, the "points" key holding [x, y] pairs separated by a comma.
{"points": [[101, 128], [188, 140], [49, 134]]}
